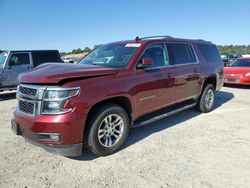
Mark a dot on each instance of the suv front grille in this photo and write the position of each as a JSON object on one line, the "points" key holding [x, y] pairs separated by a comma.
{"points": [[27, 91], [26, 107], [29, 98]]}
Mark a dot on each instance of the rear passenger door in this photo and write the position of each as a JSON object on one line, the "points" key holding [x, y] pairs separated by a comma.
{"points": [[187, 77]]}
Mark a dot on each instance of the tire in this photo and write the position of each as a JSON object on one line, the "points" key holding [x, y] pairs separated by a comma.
{"points": [[207, 99], [107, 130]]}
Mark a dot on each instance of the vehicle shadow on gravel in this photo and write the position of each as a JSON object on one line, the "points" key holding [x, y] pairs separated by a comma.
{"points": [[7, 96], [139, 133]]}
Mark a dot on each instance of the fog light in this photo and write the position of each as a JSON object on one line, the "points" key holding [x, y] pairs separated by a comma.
{"points": [[55, 137]]}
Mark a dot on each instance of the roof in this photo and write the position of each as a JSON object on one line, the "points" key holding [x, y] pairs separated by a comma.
{"points": [[165, 38], [170, 39], [29, 50]]}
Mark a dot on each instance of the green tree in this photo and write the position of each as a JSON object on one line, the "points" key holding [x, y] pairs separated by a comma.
{"points": [[234, 49], [77, 51], [86, 49]]}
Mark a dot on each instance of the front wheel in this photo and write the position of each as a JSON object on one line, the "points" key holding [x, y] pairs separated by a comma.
{"points": [[108, 129], [207, 99]]}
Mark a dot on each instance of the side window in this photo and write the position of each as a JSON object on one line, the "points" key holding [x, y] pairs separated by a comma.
{"points": [[209, 52], [43, 57], [181, 53], [19, 59], [158, 54]]}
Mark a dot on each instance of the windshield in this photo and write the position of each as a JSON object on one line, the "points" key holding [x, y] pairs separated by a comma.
{"points": [[241, 63], [111, 55], [3, 56]]}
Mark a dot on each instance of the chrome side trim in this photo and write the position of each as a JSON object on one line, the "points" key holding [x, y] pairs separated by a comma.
{"points": [[162, 116], [61, 88], [56, 113]]}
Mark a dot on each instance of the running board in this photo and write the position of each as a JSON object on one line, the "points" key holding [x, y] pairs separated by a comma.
{"points": [[162, 116]]}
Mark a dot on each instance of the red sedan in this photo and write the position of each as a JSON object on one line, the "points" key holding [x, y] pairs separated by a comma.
{"points": [[238, 72]]}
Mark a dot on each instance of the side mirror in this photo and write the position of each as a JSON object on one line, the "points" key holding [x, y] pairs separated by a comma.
{"points": [[146, 62], [10, 64]]}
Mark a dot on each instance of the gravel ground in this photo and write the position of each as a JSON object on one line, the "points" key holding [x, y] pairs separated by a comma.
{"points": [[188, 149]]}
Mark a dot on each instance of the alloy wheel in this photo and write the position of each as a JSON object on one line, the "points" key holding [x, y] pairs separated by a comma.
{"points": [[110, 130]]}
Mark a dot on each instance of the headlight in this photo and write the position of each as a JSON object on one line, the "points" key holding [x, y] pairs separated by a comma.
{"points": [[247, 74], [60, 94], [55, 98]]}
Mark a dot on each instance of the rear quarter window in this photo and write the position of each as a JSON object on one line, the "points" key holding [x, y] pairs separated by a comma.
{"points": [[209, 52], [43, 57]]}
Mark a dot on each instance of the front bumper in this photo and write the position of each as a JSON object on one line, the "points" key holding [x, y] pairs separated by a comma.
{"points": [[237, 80], [61, 134], [65, 150]]}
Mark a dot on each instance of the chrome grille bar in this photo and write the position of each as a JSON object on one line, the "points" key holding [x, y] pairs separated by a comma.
{"points": [[29, 98]]}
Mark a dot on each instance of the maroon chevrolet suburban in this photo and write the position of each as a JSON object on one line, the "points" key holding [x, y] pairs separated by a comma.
{"points": [[64, 108]]}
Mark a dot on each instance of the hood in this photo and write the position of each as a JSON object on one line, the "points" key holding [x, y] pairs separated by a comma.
{"points": [[236, 70], [53, 73]]}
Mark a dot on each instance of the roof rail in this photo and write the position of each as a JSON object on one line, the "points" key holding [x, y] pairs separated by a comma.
{"points": [[152, 37]]}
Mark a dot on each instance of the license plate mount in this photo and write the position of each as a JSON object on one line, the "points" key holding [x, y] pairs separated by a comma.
{"points": [[231, 79]]}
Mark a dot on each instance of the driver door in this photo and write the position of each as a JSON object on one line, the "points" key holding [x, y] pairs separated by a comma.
{"points": [[18, 62], [156, 83]]}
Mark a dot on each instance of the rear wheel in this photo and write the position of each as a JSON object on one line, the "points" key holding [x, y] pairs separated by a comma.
{"points": [[207, 99], [108, 129]]}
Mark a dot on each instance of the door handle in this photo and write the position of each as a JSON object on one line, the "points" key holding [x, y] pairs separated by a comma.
{"points": [[195, 70], [169, 75]]}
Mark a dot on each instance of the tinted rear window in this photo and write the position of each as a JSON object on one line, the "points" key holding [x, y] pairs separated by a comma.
{"points": [[181, 53], [43, 57], [209, 52]]}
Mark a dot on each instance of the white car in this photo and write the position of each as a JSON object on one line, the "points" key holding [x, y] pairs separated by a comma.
{"points": [[67, 60]]}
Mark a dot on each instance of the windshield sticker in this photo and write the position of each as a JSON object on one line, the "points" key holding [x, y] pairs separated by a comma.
{"points": [[134, 45]]}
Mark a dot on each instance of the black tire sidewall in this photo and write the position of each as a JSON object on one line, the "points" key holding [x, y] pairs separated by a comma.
{"points": [[202, 105], [98, 117]]}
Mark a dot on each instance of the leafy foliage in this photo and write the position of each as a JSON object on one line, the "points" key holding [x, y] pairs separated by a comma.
{"points": [[234, 49], [86, 49], [77, 51]]}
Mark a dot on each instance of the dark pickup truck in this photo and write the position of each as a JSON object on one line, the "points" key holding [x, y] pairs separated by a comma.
{"points": [[93, 104]]}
